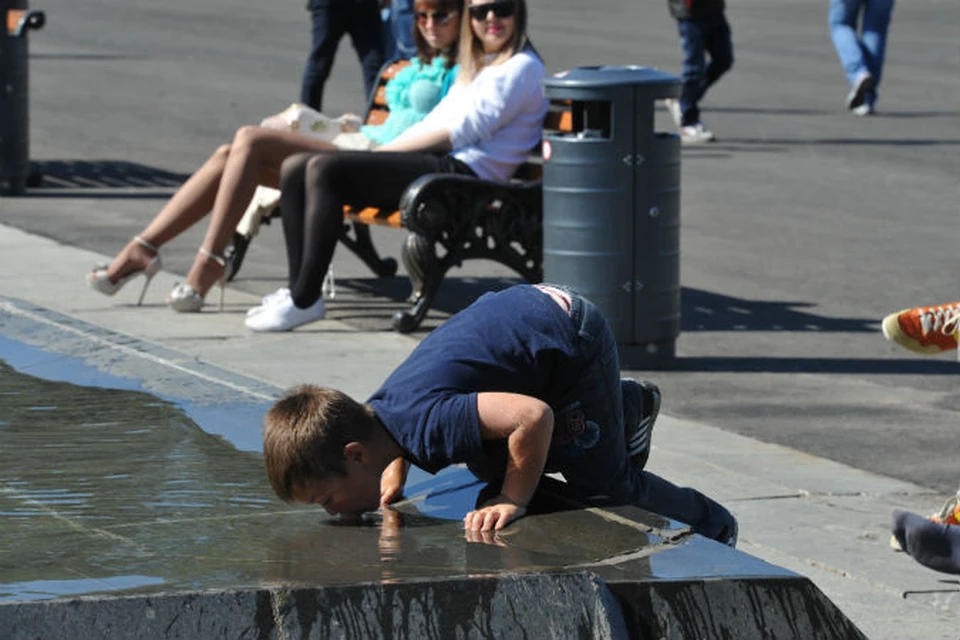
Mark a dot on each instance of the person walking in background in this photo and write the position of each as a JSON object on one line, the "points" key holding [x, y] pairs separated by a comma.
{"points": [[926, 330], [703, 30], [402, 16], [861, 55], [331, 19]]}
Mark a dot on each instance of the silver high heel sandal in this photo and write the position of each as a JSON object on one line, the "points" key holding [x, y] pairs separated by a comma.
{"points": [[98, 280], [185, 299]]}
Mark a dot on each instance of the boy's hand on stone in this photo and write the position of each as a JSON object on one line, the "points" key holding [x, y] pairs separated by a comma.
{"points": [[392, 480], [390, 494], [494, 515], [484, 537]]}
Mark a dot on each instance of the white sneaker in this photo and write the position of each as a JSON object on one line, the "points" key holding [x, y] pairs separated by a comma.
{"points": [[283, 315], [861, 87], [269, 299], [673, 106], [863, 110], [696, 134]]}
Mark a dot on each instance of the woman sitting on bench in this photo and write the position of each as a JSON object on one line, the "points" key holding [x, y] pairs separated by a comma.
{"points": [[486, 126], [226, 182]]}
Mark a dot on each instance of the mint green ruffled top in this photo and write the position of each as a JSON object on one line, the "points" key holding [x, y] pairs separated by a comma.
{"points": [[411, 95]]}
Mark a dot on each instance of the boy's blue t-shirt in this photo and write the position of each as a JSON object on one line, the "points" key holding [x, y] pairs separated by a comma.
{"points": [[518, 340]]}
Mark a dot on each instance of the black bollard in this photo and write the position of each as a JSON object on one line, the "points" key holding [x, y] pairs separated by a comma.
{"points": [[14, 114]]}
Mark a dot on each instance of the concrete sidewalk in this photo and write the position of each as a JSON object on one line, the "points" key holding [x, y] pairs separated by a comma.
{"points": [[816, 517]]}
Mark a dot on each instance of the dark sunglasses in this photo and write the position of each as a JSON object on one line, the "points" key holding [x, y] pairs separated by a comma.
{"points": [[502, 9], [439, 17]]}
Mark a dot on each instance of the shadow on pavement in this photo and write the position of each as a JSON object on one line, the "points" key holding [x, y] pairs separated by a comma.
{"points": [[85, 56], [766, 364], [707, 311], [53, 178], [824, 112], [366, 298], [878, 142], [369, 303]]}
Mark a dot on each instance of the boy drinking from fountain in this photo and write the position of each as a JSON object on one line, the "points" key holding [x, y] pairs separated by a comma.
{"points": [[522, 381]]}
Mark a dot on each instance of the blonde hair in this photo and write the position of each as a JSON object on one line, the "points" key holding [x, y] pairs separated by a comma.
{"points": [[304, 434], [471, 56]]}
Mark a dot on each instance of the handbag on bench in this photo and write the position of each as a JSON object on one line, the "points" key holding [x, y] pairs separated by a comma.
{"points": [[300, 118]]}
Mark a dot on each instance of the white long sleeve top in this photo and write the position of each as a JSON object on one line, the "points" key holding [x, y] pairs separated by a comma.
{"points": [[495, 120]]}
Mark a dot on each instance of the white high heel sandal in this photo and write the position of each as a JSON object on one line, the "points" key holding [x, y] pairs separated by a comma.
{"points": [[185, 299], [98, 280]]}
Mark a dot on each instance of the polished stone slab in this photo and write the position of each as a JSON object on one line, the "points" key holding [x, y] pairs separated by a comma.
{"points": [[122, 510]]}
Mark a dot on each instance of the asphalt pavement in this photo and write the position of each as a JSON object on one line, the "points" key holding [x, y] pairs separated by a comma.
{"points": [[801, 228]]}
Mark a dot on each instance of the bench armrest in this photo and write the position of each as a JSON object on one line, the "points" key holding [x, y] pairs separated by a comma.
{"points": [[440, 201]]}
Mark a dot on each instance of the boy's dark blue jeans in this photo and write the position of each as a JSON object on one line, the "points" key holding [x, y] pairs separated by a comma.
{"points": [[699, 37], [589, 445]]}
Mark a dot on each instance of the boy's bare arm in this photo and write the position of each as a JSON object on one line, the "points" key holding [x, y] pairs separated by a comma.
{"points": [[392, 480], [526, 424]]}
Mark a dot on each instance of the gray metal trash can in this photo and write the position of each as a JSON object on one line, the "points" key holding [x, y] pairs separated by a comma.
{"points": [[14, 107], [611, 205]]}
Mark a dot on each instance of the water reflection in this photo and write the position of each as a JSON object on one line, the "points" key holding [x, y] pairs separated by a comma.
{"points": [[81, 467], [395, 546], [94, 454]]}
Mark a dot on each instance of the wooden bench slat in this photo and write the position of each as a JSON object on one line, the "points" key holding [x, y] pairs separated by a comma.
{"points": [[380, 96], [372, 215], [377, 116], [377, 110], [13, 19], [392, 70]]}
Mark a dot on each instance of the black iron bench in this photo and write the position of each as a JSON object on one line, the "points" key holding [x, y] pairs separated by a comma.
{"points": [[450, 218]]}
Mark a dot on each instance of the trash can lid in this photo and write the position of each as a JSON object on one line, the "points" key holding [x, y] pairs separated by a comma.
{"points": [[607, 76]]}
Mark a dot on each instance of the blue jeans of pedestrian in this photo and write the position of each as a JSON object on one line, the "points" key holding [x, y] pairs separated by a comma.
{"points": [[403, 25], [589, 445], [709, 35], [331, 20], [864, 52]]}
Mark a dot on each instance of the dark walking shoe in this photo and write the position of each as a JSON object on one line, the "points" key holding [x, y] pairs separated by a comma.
{"points": [[641, 405], [861, 87]]}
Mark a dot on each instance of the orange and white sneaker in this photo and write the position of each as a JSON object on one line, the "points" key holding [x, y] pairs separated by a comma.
{"points": [[924, 329]]}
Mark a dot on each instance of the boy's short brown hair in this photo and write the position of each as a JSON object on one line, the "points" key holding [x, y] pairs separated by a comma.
{"points": [[304, 434]]}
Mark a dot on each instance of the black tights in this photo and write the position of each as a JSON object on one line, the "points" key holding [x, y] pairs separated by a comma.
{"points": [[315, 188]]}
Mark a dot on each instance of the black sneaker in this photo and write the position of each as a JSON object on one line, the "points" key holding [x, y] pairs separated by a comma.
{"points": [[861, 87], [641, 404], [730, 535]]}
